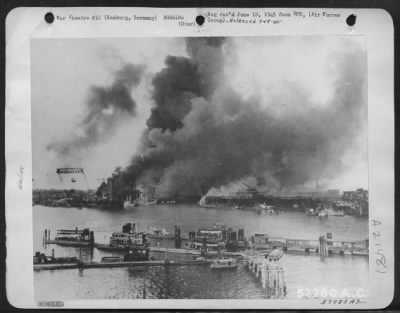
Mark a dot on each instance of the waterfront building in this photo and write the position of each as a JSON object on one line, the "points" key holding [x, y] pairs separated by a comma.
{"points": [[260, 241], [359, 201]]}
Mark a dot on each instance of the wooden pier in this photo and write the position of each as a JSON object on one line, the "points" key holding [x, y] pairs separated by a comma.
{"points": [[269, 271], [323, 246], [86, 265], [195, 252], [69, 243]]}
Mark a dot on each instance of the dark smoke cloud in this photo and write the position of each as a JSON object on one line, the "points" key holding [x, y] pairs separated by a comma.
{"points": [[202, 134], [105, 108], [184, 79]]}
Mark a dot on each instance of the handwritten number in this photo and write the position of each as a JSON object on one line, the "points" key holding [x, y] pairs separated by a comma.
{"points": [[380, 258], [381, 261]]}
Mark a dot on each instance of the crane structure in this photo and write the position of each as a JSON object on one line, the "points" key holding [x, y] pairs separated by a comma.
{"points": [[71, 171]]}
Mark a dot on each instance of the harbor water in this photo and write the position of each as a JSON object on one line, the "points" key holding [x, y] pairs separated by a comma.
{"points": [[303, 274]]}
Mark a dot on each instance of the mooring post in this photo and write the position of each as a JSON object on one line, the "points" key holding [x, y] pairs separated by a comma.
{"points": [[263, 277], [91, 238], [284, 283], [274, 279], [323, 250]]}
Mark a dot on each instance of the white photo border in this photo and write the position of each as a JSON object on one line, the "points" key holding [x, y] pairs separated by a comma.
{"points": [[25, 24]]}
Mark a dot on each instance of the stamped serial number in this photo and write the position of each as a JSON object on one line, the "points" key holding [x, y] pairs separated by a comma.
{"points": [[51, 303], [344, 293]]}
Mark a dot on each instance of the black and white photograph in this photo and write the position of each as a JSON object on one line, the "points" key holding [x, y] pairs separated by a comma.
{"points": [[203, 166]]}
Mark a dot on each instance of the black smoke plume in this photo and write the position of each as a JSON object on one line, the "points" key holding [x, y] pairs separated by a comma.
{"points": [[105, 108], [202, 134]]}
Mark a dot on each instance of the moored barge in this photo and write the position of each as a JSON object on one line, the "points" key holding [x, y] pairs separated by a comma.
{"points": [[71, 237]]}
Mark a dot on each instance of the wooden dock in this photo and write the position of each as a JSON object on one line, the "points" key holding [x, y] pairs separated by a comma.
{"points": [[55, 266], [194, 252], [152, 249], [174, 250], [69, 243], [305, 246], [86, 265], [323, 246], [168, 250]]}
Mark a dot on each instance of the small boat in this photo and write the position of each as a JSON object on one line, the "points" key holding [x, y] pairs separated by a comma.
{"points": [[271, 210], [322, 213], [109, 259], [311, 212], [73, 237], [268, 209], [337, 213], [156, 233], [223, 263], [147, 202]]}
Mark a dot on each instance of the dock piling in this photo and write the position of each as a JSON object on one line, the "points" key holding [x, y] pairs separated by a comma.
{"points": [[323, 248], [270, 272]]}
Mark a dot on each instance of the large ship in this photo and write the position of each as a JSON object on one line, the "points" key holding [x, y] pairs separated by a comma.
{"points": [[206, 239], [128, 238], [71, 237], [159, 233]]}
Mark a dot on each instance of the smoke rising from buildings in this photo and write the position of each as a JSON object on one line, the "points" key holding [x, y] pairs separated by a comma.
{"points": [[202, 134], [106, 107]]}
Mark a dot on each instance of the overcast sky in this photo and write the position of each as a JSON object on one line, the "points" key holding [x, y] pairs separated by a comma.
{"points": [[63, 71]]}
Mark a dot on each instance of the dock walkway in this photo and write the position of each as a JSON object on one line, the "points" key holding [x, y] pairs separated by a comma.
{"points": [[316, 246], [62, 266], [308, 246]]}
